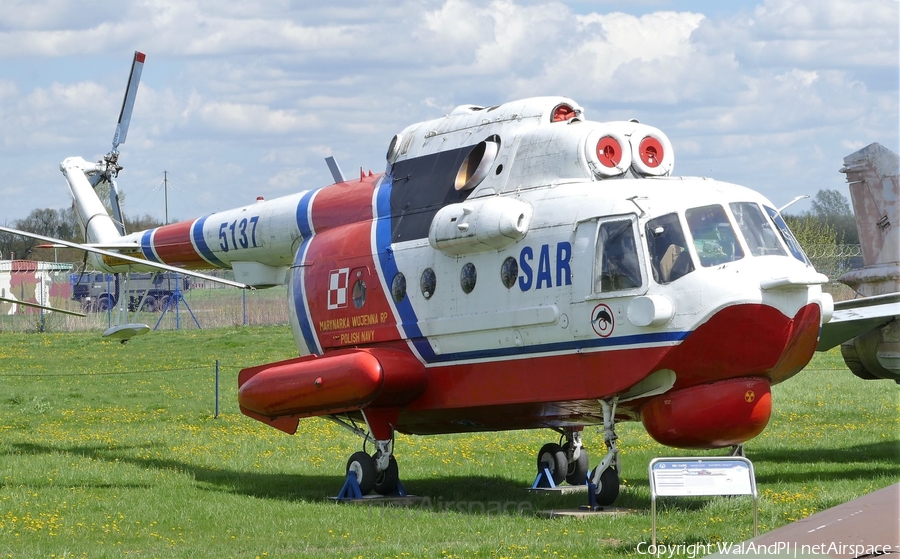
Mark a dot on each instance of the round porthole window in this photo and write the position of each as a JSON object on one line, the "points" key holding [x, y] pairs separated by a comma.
{"points": [[467, 277], [427, 283], [398, 287], [509, 272], [359, 294]]}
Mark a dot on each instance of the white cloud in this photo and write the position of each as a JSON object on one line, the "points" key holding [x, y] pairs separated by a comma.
{"points": [[756, 95]]}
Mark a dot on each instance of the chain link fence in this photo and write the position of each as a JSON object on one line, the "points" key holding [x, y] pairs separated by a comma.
{"points": [[199, 305]]}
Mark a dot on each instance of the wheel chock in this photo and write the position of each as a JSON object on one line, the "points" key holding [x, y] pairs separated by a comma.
{"points": [[350, 490], [592, 496], [401, 491], [543, 480]]}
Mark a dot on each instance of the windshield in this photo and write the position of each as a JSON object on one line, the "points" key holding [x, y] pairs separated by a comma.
{"points": [[761, 237], [714, 238], [786, 234]]}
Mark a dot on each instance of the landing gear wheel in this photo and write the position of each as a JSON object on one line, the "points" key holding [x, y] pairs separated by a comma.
{"points": [[577, 471], [149, 304], [553, 455], [363, 466], [386, 481], [608, 489]]}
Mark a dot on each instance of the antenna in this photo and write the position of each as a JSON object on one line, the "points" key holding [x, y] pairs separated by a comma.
{"points": [[796, 199], [166, 193]]}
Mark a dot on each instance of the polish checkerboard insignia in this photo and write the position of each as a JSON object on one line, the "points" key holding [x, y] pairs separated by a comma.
{"points": [[337, 288]]}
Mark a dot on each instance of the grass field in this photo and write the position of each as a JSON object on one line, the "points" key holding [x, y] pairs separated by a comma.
{"points": [[110, 450]]}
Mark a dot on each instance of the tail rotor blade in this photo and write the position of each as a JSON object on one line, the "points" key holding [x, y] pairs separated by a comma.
{"points": [[137, 66]]}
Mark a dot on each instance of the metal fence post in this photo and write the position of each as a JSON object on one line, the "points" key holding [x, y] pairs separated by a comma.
{"points": [[217, 390]]}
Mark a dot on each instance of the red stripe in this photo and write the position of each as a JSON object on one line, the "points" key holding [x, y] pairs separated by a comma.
{"points": [[172, 244], [344, 203]]}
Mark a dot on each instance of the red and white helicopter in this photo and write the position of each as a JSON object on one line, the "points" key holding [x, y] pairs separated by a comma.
{"points": [[515, 267]]}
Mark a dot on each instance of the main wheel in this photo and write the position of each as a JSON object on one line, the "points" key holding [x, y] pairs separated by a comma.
{"points": [[149, 304], [577, 471], [608, 490], [363, 466], [386, 481], [554, 457]]}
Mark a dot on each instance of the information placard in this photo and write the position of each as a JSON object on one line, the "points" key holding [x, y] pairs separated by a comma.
{"points": [[685, 478], [692, 477]]}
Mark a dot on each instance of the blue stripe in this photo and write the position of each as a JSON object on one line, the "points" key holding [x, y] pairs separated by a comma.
{"points": [[146, 246], [303, 223], [297, 274], [389, 269], [569, 346], [200, 243], [410, 322]]}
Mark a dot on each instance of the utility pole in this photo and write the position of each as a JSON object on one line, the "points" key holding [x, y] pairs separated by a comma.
{"points": [[166, 193]]}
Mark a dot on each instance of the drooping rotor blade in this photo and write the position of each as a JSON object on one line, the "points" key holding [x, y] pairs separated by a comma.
{"points": [[37, 306], [116, 207], [335, 169], [137, 66], [126, 258]]}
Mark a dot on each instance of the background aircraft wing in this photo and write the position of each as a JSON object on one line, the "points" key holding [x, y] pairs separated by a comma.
{"points": [[856, 317]]}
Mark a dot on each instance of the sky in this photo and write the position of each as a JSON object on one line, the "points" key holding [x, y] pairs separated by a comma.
{"points": [[240, 99]]}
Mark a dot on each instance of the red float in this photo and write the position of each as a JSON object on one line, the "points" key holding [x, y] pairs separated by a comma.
{"points": [[713, 415], [338, 382]]}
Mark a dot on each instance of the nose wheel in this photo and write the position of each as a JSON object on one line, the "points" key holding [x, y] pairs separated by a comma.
{"points": [[605, 477], [579, 467], [553, 458], [566, 462]]}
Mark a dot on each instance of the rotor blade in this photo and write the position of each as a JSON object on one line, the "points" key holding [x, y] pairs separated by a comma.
{"points": [[335, 169], [126, 258], [36, 306], [137, 66], [116, 207]]}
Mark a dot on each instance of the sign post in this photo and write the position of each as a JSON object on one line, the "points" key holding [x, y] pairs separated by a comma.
{"points": [[688, 477]]}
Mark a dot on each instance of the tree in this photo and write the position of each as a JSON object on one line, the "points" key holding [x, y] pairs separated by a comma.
{"points": [[831, 207], [819, 240], [141, 223], [42, 221]]}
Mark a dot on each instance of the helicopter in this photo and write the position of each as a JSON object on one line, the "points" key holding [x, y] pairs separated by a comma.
{"points": [[515, 266]]}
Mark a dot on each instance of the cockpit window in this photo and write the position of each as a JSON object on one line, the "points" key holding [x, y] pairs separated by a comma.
{"points": [[669, 257], [761, 237], [617, 266], [714, 237], [786, 234]]}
